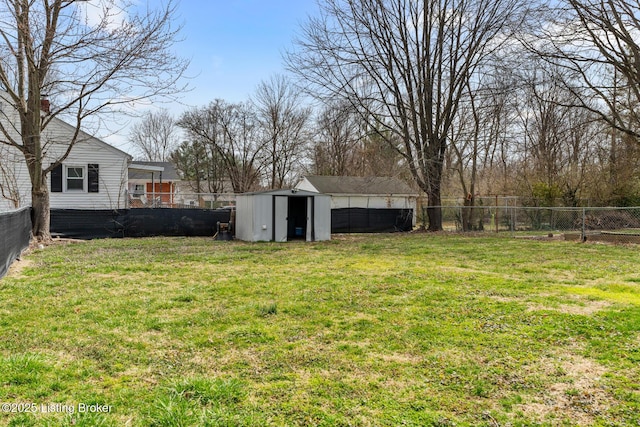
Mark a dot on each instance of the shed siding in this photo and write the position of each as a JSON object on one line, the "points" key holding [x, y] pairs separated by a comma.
{"points": [[322, 221], [373, 202], [262, 216], [244, 218]]}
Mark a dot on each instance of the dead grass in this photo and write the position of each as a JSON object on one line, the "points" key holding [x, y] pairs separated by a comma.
{"points": [[583, 308], [578, 306], [16, 269], [580, 396]]}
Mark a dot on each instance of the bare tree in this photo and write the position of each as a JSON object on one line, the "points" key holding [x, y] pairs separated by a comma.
{"points": [[90, 59], [155, 136], [559, 141], [404, 65], [598, 41], [230, 130], [284, 126], [9, 186], [336, 146]]}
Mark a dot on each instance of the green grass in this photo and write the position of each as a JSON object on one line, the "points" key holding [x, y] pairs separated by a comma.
{"points": [[418, 330]]}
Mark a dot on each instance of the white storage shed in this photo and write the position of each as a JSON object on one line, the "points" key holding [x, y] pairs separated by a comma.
{"points": [[282, 215]]}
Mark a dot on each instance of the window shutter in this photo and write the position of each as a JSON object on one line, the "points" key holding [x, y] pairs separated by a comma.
{"points": [[56, 179], [93, 175]]}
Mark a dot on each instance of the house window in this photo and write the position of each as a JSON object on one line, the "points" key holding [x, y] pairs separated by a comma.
{"points": [[138, 190], [75, 178]]}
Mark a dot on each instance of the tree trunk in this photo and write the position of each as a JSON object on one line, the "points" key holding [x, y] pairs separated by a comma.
{"points": [[40, 214], [434, 210], [433, 183], [467, 213]]}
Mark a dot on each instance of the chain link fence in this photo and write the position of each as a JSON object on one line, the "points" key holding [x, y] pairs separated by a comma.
{"points": [[618, 225], [181, 200]]}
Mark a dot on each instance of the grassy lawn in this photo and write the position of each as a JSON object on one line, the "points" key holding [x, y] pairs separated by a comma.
{"points": [[416, 330]]}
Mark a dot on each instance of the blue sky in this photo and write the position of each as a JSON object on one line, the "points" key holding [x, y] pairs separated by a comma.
{"points": [[235, 44]]}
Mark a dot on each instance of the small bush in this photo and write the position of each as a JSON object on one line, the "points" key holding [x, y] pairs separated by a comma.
{"points": [[268, 310]]}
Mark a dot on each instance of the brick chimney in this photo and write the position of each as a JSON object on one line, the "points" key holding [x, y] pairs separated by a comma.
{"points": [[45, 106]]}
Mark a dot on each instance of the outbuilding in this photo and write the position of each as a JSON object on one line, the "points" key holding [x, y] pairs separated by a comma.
{"points": [[366, 204], [283, 215]]}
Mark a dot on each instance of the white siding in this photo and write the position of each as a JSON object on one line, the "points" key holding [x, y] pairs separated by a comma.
{"points": [[244, 217], [372, 202], [305, 185], [112, 179], [322, 218], [253, 211], [262, 217], [112, 170]]}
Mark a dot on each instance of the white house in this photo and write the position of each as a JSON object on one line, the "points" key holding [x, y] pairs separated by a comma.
{"points": [[93, 176], [366, 203]]}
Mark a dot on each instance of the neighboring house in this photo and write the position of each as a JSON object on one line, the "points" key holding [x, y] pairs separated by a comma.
{"points": [[154, 184], [187, 196], [93, 176], [366, 204]]}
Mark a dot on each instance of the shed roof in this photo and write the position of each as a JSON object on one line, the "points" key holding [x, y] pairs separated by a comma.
{"points": [[359, 185], [283, 192]]}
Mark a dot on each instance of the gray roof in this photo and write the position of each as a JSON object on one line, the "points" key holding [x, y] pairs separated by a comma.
{"points": [[169, 174], [283, 192], [360, 185]]}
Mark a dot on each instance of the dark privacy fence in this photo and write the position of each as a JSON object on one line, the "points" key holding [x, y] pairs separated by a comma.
{"points": [[363, 220], [97, 224], [15, 231]]}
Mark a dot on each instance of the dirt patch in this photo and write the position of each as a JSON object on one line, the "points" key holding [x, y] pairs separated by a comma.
{"points": [[579, 396], [17, 267], [583, 308], [546, 237]]}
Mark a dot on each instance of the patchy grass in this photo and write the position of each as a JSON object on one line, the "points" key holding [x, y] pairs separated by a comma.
{"points": [[420, 330]]}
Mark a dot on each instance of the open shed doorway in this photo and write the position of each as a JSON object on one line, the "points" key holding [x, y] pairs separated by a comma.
{"points": [[297, 218]]}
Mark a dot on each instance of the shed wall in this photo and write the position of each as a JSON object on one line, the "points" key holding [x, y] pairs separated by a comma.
{"points": [[372, 202], [262, 218], [244, 217], [322, 218]]}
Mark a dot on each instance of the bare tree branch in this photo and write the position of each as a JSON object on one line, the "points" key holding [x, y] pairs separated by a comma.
{"points": [[404, 65], [87, 67]]}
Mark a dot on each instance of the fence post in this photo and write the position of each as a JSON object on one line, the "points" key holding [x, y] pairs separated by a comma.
{"points": [[497, 209], [583, 236]]}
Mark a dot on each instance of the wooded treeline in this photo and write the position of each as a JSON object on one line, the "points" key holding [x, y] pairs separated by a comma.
{"points": [[459, 97]]}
